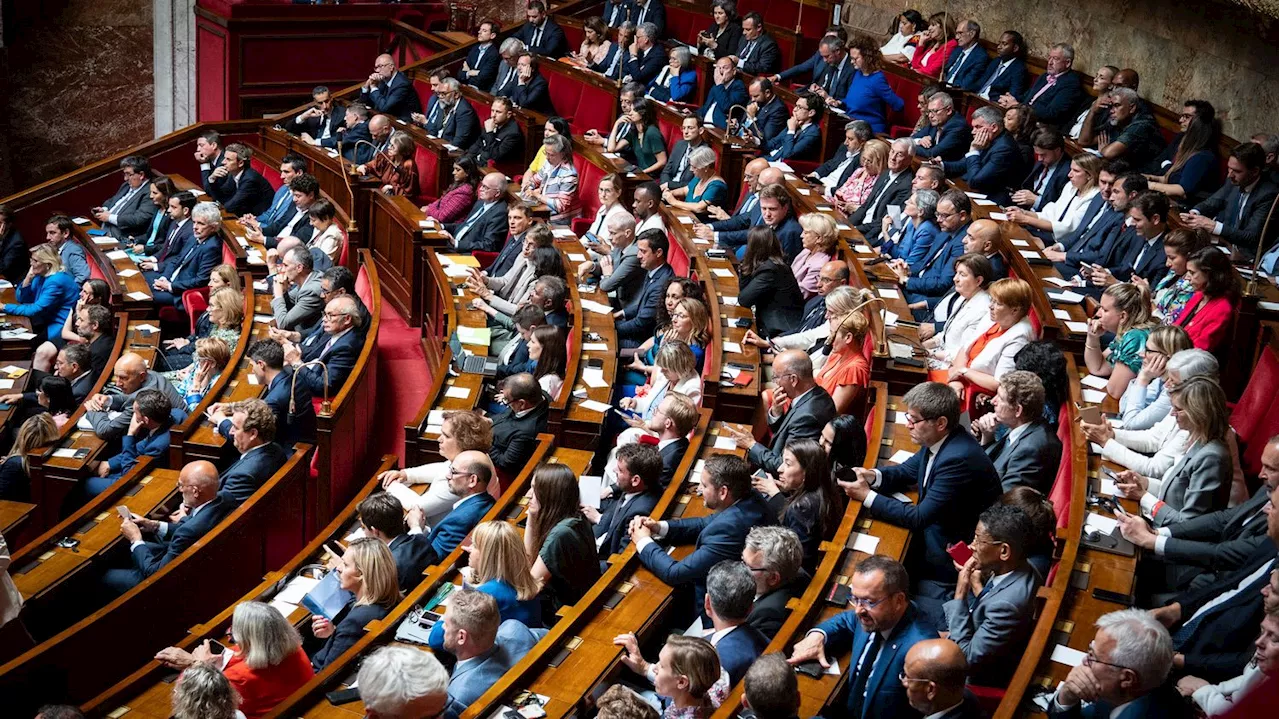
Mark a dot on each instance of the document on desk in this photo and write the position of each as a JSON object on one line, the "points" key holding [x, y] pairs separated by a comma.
{"points": [[1064, 654], [1094, 381], [732, 347], [1077, 327], [1093, 396], [474, 336], [596, 307], [458, 392], [127, 272], [1106, 525], [594, 377], [595, 347], [901, 456], [1061, 314], [592, 405], [889, 293], [725, 442], [864, 543], [1066, 297], [118, 255], [296, 589]]}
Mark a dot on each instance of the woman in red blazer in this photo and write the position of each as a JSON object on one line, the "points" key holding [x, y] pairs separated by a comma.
{"points": [[1207, 315]]}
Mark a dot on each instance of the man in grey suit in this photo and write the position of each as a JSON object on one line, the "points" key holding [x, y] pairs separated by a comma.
{"points": [[811, 409], [619, 271], [109, 414], [129, 212], [1030, 452], [298, 299], [485, 648], [991, 618]]}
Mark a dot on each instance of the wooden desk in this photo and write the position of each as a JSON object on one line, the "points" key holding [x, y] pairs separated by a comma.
{"points": [[580, 427]]}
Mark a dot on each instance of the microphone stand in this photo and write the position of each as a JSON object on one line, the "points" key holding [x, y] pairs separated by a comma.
{"points": [[1251, 287], [326, 406]]}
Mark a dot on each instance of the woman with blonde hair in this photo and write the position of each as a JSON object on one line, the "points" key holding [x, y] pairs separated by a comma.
{"points": [[1124, 311], [224, 276], [202, 692], [690, 324], [846, 372], [499, 568], [688, 677], [212, 356], [977, 367], [819, 236], [675, 369], [222, 319], [46, 295], [15, 472], [857, 189], [266, 665], [368, 571], [1062, 216]]}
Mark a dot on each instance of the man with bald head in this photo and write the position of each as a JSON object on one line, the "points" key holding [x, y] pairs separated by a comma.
{"points": [[515, 431], [485, 228], [354, 135], [380, 131], [390, 91], [469, 477], [809, 411], [110, 414], [981, 238], [198, 483], [334, 344], [934, 675]]}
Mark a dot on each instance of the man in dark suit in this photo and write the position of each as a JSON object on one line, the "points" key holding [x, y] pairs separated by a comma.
{"points": [[485, 227], [335, 344], [355, 136], [1199, 552], [509, 51], [730, 593], [955, 480], [469, 479], [770, 689], [1007, 72], [1126, 666], [1049, 175], [967, 63], [1029, 454], [237, 186], [934, 277], [994, 608], [809, 411], [289, 401], [643, 11], [801, 141], [767, 114], [321, 121], [893, 187], [1239, 210], [736, 508], [529, 90], [993, 163], [727, 91], [1055, 95], [192, 269], [389, 91], [458, 124], [519, 218], [208, 153], [515, 431], [179, 236], [204, 509], [1140, 256], [947, 136], [1101, 223], [502, 142], [282, 204], [778, 214], [848, 158], [934, 674], [757, 53], [542, 35], [130, 212], [830, 69], [430, 117], [774, 555], [253, 433], [636, 322], [382, 517], [480, 69], [677, 172], [636, 468], [880, 630], [728, 231], [647, 61]]}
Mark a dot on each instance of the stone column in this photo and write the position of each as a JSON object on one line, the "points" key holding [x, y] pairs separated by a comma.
{"points": [[175, 64]]}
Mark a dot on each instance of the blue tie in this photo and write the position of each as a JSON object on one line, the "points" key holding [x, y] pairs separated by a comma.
{"points": [[475, 215]]}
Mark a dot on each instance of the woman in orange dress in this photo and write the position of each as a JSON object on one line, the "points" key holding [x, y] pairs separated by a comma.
{"points": [[846, 372]]}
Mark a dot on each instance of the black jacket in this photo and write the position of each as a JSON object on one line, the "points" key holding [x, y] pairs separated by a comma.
{"points": [[515, 438], [773, 293]]}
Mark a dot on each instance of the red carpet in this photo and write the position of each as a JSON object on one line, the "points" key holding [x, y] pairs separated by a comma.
{"points": [[403, 379]]}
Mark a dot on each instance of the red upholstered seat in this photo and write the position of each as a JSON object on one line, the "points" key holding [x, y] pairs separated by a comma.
{"points": [[428, 185], [1060, 494], [271, 173], [1254, 417], [423, 88], [565, 93], [228, 255], [195, 301], [1037, 326], [907, 118], [96, 272], [346, 248], [589, 176], [573, 34], [363, 289], [684, 25], [486, 258], [670, 128], [988, 697], [678, 258]]}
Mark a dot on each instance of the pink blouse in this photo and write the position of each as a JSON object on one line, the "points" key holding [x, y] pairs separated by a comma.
{"points": [[453, 205], [806, 267], [857, 188]]}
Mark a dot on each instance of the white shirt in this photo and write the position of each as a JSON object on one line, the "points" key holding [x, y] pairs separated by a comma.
{"points": [[897, 45], [1228, 594], [1067, 212], [653, 222]]}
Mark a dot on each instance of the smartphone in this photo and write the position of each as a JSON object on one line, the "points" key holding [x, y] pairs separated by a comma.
{"points": [[1115, 597], [811, 668], [216, 646], [591, 238], [960, 552], [1091, 414], [343, 696], [68, 543], [124, 512], [742, 322]]}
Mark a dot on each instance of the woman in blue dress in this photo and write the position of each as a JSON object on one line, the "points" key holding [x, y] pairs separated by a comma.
{"points": [[705, 188], [499, 568]]}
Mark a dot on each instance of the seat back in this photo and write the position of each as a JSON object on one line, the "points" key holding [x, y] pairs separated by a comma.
{"points": [[428, 164], [272, 173], [684, 24], [589, 176], [228, 255], [1254, 418], [1060, 493], [195, 302], [364, 290], [346, 246], [678, 258], [565, 94], [908, 89]]}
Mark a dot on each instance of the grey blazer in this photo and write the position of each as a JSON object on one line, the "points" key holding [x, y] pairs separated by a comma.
{"points": [[301, 305], [1031, 460], [627, 277], [135, 216], [1195, 485], [993, 627], [114, 422], [1219, 542], [805, 420]]}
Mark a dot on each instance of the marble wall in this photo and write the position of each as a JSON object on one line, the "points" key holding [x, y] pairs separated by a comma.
{"points": [[76, 84], [1215, 51]]}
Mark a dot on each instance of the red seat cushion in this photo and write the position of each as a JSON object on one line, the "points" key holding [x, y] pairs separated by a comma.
{"points": [[1254, 417], [428, 185], [271, 173], [589, 176], [565, 94], [363, 289]]}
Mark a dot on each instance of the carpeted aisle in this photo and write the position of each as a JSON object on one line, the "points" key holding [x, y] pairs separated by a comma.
{"points": [[403, 380]]}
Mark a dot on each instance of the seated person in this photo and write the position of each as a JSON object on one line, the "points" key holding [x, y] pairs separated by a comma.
{"points": [[223, 319], [195, 380], [727, 92], [799, 410], [613, 262], [485, 227], [305, 190], [643, 60], [110, 415], [73, 368], [688, 324], [675, 369], [1137, 253], [802, 140], [383, 517], [15, 471], [529, 89], [191, 270], [677, 172], [757, 52], [1207, 315], [819, 239], [289, 401], [962, 313], [678, 80], [834, 299], [596, 45], [1129, 132], [485, 646], [504, 295], [367, 570], [454, 120], [634, 323], [555, 184], [514, 357], [704, 189], [804, 497], [1061, 217], [977, 367], [459, 432], [326, 234], [253, 433], [497, 566], [455, 203], [1125, 638], [100, 335], [1124, 312], [636, 470], [721, 37], [550, 358], [885, 625], [694, 660], [946, 135], [845, 373], [993, 162], [1049, 175], [1029, 454], [291, 165], [46, 295], [267, 665], [994, 608], [774, 556], [515, 431], [297, 299], [730, 594], [57, 234], [1237, 213], [766, 284], [130, 212], [856, 190], [559, 539], [204, 509], [848, 158], [1220, 699], [335, 343], [501, 141], [1146, 400], [643, 139], [238, 187], [549, 294], [670, 426]]}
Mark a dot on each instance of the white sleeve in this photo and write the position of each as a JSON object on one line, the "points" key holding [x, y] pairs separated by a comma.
{"points": [[1066, 224], [426, 473]]}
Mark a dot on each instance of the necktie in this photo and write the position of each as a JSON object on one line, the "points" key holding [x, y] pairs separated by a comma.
{"points": [[613, 64], [924, 483], [1244, 200], [684, 163], [475, 216], [537, 38], [613, 17], [749, 204], [866, 664], [277, 207], [177, 271], [643, 10], [951, 76], [986, 588], [1185, 632], [123, 200], [168, 243], [1048, 83], [435, 112], [746, 52], [987, 87], [506, 78], [327, 346]]}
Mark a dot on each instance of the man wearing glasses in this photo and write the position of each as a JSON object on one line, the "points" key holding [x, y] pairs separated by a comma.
{"points": [[882, 628], [389, 91], [1125, 669], [934, 676], [130, 211], [946, 136]]}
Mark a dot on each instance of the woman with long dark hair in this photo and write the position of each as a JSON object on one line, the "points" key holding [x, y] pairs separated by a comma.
{"points": [[767, 285], [906, 30], [804, 496], [559, 540], [1207, 315], [1192, 174], [547, 349], [845, 441], [456, 202]]}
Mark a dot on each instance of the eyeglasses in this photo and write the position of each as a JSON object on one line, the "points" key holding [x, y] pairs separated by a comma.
{"points": [[942, 215], [1090, 658], [757, 569], [902, 677], [334, 315], [913, 421], [866, 603]]}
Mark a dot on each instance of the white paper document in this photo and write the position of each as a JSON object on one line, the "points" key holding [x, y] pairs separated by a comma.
{"points": [[1094, 381], [901, 456], [725, 442], [865, 543], [1064, 654], [1093, 396], [593, 406], [589, 490]]}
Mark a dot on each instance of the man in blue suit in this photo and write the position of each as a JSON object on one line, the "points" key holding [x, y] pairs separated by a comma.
{"points": [[129, 213], [1126, 666], [800, 410], [731, 592], [382, 517], [727, 92], [542, 35], [647, 61], [778, 214], [354, 139], [934, 276], [468, 478], [882, 627], [947, 136], [529, 91], [1140, 256], [1007, 73], [636, 322], [1238, 212], [736, 508], [389, 91], [486, 647], [802, 139], [203, 509], [1049, 175], [295, 414], [457, 123], [766, 113], [956, 482], [637, 469], [830, 68], [1088, 244], [178, 238], [429, 118], [253, 433], [148, 435], [480, 69], [335, 343], [967, 63], [321, 121], [282, 206], [993, 163], [192, 269], [1055, 95], [240, 189]]}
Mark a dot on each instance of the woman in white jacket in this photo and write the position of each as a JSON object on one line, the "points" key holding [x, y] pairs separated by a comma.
{"points": [[961, 313], [1062, 216], [459, 432], [976, 368], [1218, 699]]}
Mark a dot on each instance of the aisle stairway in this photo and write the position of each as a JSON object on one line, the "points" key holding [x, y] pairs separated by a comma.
{"points": [[406, 378]]}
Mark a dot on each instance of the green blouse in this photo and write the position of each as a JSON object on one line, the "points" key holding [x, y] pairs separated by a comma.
{"points": [[1126, 348], [569, 551], [648, 147]]}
